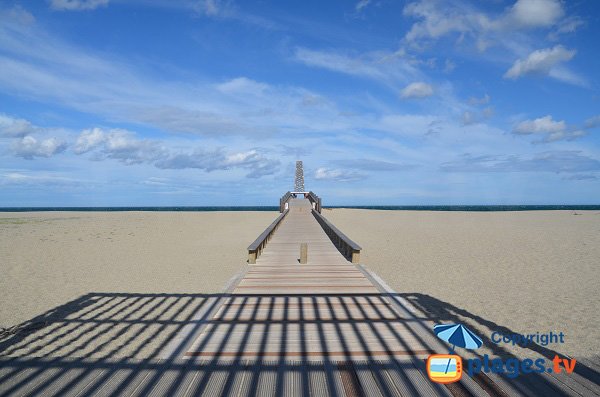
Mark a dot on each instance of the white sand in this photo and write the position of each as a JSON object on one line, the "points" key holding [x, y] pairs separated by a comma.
{"points": [[49, 258], [534, 271], [527, 271]]}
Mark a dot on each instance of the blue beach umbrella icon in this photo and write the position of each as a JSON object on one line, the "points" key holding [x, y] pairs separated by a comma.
{"points": [[457, 335]]}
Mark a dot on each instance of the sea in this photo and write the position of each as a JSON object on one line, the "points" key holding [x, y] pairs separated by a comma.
{"points": [[475, 208]]}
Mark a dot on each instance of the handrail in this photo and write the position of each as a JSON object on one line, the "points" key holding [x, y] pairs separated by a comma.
{"points": [[256, 248], [286, 197], [315, 200], [344, 244]]}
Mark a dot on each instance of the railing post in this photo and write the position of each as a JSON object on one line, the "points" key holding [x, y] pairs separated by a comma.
{"points": [[303, 253], [252, 257]]}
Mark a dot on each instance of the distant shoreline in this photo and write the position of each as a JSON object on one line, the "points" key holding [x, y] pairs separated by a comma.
{"points": [[468, 208]]}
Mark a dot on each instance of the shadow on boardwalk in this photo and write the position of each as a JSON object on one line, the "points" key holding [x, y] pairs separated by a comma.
{"points": [[133, 344]]}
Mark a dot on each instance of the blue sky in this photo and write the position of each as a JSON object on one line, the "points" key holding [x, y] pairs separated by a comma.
{"points": [[177, 102]]}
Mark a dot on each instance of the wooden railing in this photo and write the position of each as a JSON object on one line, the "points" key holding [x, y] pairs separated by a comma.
{"points": [[315, 201], [256, 248], [283, 200], [347, 247]]}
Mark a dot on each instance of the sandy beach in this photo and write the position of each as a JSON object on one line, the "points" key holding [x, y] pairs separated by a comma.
{"points": [[525, 272], [49, 258]]}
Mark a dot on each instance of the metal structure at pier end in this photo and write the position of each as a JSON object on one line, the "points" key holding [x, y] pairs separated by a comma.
{"points": [[299, 181], [306, 212]]}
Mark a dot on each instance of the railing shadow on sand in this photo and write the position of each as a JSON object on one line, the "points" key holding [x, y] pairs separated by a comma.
{"points": [[134, 344]]}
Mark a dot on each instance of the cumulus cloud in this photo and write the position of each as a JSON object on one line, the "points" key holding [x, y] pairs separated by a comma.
{"points": [[88, 140], [539, 62], [417, 90], [77, 5], [552, 130], [438, 18], [124, 146], [540, 125], [29, 147], [13, 127], [257, 164], [337, 175], [536, 13], [509, 31], [118, 144]]}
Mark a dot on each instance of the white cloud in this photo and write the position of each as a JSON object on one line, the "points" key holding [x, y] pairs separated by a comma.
{"points": [[12, 127], [124, 146], [118, 144], [89, 140], [540, 62], [35, 179], [407, 124], [362, 4], [468, 118], [540, 125], [552, 130], [417, 90], [449, 66], [511, 32], [37, 65], [565, 135], [384, 67], [552, 161], [438, 18], [29, 147], [373, 165], [21, 15], [592, 122], [536, 13], [484, 100], [337, 175], [77, 5], [242, 85], [257, 164]]}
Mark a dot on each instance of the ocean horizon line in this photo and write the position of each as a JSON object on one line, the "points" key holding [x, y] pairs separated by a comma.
{"points": [[469, 208]]}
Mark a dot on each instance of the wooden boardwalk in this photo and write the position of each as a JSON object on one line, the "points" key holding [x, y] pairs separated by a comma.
{"points": [[325, 309], [324, 328]]}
